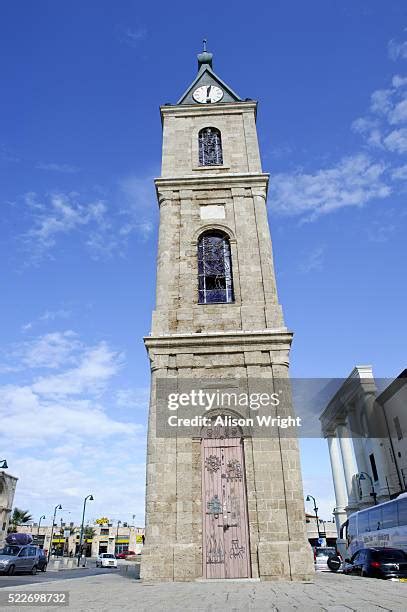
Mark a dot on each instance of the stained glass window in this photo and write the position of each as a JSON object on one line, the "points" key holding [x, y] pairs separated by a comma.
{"points": [[210, 147], [215, 282]]}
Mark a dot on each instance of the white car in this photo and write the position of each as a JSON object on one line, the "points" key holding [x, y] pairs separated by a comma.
{"points": [[106, 560]]}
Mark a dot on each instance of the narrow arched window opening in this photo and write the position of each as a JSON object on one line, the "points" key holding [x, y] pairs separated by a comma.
{"points": [[210, 147], [215, 282]]}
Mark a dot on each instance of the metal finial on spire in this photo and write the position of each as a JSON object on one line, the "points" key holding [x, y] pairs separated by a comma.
{"points": [[204, 58]]}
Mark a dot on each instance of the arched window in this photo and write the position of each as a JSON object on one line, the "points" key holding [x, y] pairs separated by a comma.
{"points": [[210, 147], [215, 282]]}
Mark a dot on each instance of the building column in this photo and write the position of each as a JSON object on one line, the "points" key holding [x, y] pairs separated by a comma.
{"points": [[337, 476], [349, 464], [363, 486]]}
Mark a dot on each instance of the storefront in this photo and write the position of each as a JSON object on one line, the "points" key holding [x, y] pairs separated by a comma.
{"points": [[122, 545]]}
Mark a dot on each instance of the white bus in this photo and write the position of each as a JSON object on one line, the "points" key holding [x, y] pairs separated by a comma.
{"points": [[381, 525]]}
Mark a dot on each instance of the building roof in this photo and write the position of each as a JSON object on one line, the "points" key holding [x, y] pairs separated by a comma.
{"points": [[206, 76]]}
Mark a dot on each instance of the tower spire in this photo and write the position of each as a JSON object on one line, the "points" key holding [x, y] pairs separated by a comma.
{"points": [[204, 58]]}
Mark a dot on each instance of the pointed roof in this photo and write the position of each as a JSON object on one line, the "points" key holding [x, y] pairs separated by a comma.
{"points": [[206, 76]]}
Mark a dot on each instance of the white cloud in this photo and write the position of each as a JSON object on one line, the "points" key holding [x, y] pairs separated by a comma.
{"points": [[131, 36], [96, 367], [399, 81], [352, 182], [400, 173], [66, 168], [47, 316], [399, 113], [388, 108], [369, 128], [396, 141], [31, 419], [62, 441], [58, 215], [397, 50], [103, 229], [313, 261], [381, 101], [49, 351], [133, 398]]}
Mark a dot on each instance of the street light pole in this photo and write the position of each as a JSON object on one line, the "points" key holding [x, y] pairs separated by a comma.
{"points": [[90, 498], [363, 476], [39, 525], [309, 497], [117, 535], [58, 507]]}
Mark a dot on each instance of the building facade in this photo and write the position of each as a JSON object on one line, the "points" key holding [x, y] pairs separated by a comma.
{"points": [[227, 505], [8, 485], [366, 433], [104, 538]]}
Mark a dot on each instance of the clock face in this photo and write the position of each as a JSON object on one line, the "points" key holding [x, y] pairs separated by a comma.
{"points": [[207, 94]]}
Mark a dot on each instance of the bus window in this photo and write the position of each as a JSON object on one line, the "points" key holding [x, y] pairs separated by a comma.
{"points": [[389, 516], [352, 527], [402, 511], [363, 522], [375, 519]]}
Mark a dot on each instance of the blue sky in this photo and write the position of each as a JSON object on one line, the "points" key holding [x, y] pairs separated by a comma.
{"points": [[80, 143]]}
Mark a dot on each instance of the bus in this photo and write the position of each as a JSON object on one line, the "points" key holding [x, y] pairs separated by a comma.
{"points": [[381, 525]]}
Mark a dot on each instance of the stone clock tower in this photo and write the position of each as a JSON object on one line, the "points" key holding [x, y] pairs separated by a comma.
{"points": [[220, 503]]}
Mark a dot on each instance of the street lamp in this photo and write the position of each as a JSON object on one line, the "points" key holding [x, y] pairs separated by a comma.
{"points": [[117, 534], [308, 499], [363, 476], [3, 464], [90, 498], [58, 507], [39, 524]]}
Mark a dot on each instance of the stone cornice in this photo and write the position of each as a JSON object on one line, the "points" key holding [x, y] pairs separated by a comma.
{"points": [[276, 338], [188, 110], [244, 179]]}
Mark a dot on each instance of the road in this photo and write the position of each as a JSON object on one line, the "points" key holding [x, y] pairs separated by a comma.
{"points": [[21, 579]]}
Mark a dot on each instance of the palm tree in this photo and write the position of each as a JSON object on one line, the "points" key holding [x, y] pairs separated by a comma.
{"points": [[19, 517], [88, 533]]}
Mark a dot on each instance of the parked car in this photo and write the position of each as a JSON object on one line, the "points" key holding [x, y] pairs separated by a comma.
{"points": [[42, 560], [106, 560], [321, 556], [124, 554], [14, 558], [385, 563]]}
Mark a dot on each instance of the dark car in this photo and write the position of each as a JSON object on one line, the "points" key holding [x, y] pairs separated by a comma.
{"points": [[385, 563], [42, 560]]}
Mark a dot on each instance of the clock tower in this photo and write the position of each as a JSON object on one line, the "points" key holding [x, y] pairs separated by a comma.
{"points": [[222, 501]]}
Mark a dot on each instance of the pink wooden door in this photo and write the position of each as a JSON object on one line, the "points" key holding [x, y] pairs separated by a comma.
{"points": [[226, 551]]}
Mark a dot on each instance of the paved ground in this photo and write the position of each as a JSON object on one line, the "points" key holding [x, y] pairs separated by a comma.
{"points": [[333, 592]]}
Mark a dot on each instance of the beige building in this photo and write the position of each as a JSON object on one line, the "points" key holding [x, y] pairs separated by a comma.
{"points": [[226, 503], [106, 538], [8, 485], [367, 440]]}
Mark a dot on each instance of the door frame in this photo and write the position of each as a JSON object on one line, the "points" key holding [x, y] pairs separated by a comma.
{"points": [[222, 443]]}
